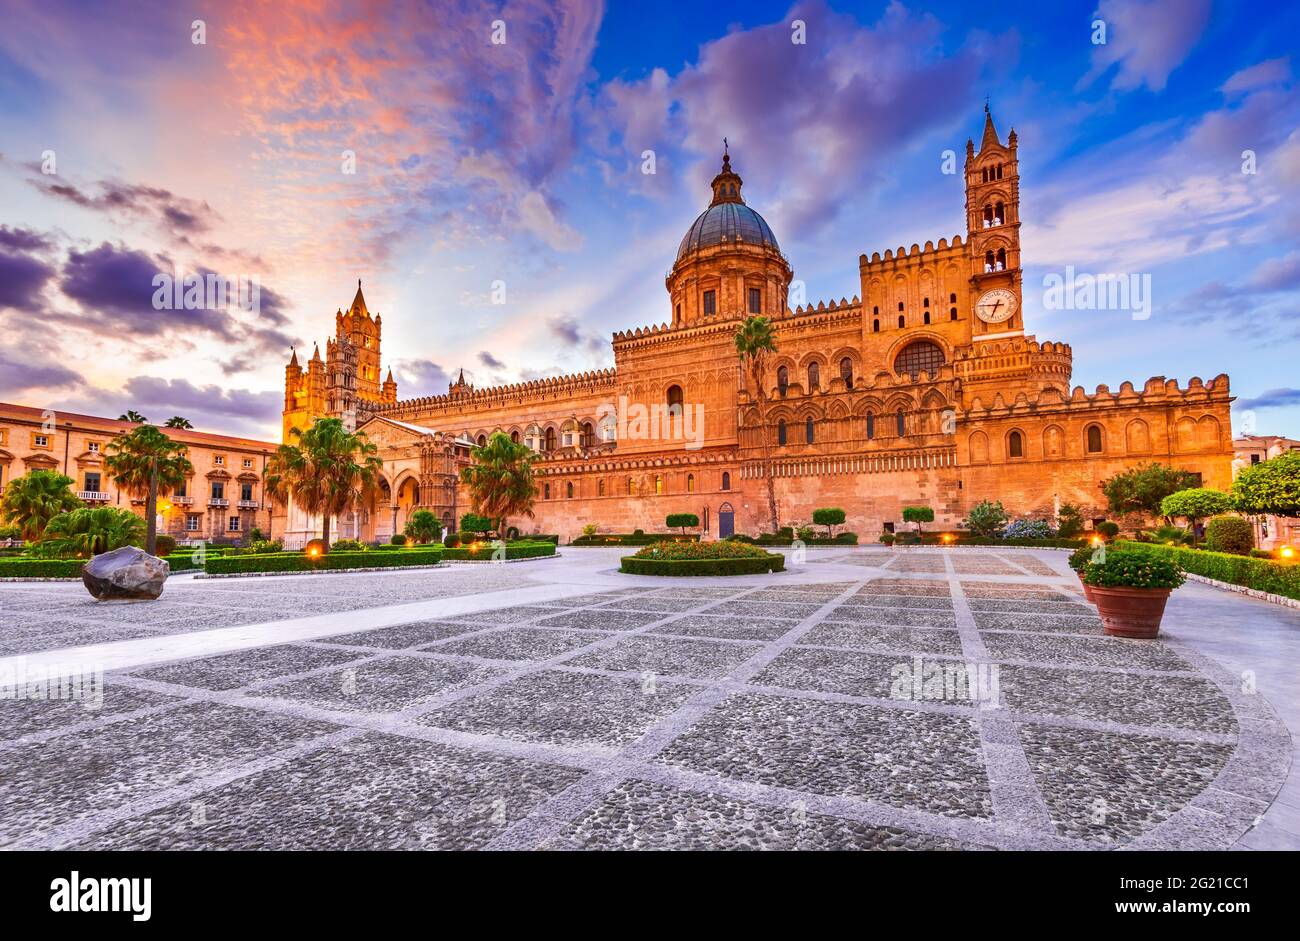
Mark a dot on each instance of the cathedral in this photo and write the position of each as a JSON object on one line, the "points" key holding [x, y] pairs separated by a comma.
{"points": [[921, 390]]}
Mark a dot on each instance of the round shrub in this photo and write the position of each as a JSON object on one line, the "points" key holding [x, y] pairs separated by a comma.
{"points": [[397, 539], [348, 545], [166, 545], [1108, 529], [1232, 534], [1133, 569], [451, 540]]}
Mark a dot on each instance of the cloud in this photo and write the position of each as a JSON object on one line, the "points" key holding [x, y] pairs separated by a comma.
{"points": [[180, 396], [490, 361], [23, 240], [1273, 398], [420, 377], [22, 279], [22, 373], [1268, 72], [171, 213], [1147, 40]]}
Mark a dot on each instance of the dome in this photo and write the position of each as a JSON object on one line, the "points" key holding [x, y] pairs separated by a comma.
{"points": [[725, 223]]}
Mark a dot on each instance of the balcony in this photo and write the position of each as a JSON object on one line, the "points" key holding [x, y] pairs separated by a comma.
{"points": [[248, 504], [218, 501], [93, 496], [182, 500]]}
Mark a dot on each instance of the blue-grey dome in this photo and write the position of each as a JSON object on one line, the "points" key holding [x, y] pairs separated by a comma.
{"points": [[725, 224]]}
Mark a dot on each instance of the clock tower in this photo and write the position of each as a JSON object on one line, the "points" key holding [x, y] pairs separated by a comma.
{"points": [[993, 235]]}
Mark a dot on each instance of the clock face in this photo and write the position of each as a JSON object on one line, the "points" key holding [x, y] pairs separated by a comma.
{"points": [[996, 306]]}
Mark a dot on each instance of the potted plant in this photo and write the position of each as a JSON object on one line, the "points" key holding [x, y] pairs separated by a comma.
{"points": [[887, 538], [1078, 559], [1130, 589]]}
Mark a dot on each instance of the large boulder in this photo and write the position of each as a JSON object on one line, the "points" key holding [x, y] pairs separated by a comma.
{"points": [[125, 573]]}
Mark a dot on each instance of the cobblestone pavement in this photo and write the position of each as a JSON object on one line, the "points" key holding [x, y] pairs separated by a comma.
{"points": [[869, 699]]}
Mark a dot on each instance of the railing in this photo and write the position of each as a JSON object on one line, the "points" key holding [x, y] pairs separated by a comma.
{"points": [[93, 496], [218, 501], [248, 504], [182, 500]]}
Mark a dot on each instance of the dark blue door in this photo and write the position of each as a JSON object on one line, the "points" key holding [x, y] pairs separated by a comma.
{"points": [[726, 521]]}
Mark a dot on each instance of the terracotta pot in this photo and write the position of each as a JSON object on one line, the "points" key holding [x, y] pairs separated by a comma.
{"points": [[1130, 612], [1087, 589]]}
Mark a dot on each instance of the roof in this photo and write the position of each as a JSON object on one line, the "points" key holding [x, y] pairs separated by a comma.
{"points": [[727, 223], [114, 426]]}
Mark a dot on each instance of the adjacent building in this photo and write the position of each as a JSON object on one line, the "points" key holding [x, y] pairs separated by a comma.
{"points": [[1271, 532]]}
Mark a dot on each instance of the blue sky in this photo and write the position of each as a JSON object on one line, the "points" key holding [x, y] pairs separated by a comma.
{"points": [[519, 165]]}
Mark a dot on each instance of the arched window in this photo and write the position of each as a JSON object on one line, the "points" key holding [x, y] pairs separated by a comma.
{"points": [[875, 326], [1015, 445], [514, 436], [846, 372], [927, 316], [901, 420], [952, 314], [481, 440], [952, 298], [659, 484], [546, 491], [588, 435], [600, 487], [901, 322], [630, 488], [690, 483], [782, 379], [1094, 439], [1002, 259], [871, 425], [988, 261], [999, 214], [988, 215], [675, 400], [568, 490], [780, 431], [550, 440], [726, 480], [900, 306], [925, 302], [808, 430], [917, 357], [814, 377]]}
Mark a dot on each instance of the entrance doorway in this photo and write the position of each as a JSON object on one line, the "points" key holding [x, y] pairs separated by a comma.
{"points": [[726, 521]]}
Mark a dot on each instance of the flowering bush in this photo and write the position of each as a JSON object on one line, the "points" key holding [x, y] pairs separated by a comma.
{"points": [[1132, 569], [1028, 529], [724, 549]]}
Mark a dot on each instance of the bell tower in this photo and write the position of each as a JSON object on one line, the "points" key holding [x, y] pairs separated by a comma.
{"points": [[993, 233]]}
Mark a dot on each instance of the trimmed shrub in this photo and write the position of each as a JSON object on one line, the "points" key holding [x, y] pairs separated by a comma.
{"points": [[166, 545], [27, 567], [682, 521], [473, 523], [1232, 534], [709, 558], [451, 540], [299, 562], [986, 518], [516, 550], [830, 517], [348, 545], [397, 539], [1276, 578], [1107, 529], [888, 538]]}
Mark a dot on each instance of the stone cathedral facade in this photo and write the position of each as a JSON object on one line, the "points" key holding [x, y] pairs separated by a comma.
{"points": [[922, 389]]}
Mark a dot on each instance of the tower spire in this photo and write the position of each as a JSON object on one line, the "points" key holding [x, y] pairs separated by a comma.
{"points": [[726, 185], [990, 132]]}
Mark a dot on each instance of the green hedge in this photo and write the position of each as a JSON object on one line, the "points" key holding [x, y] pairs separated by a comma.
{"points": [[40, 568], [629, 539], [297, 562], [1276, 578], [676, 567], [518, 550]]}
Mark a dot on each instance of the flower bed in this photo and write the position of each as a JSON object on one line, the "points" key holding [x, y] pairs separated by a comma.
{"points": [[331, 561], [701, 558], [1273, 578]]}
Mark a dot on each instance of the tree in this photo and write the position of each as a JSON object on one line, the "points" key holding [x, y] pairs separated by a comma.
{"points": [[423, 527], [144, 462], [918, 515], [31, 501], [132, 415], [474, 523], [177, 422], [986, 519], [88, 531], [682, 521], [500, 480], [329, 471], [1141, 489], [1270, 487], [755, 341], [1069, 521], [830, 517], [1194, 505]]}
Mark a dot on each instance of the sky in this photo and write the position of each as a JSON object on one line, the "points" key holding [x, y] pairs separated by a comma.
{"points": [[482, 169]]}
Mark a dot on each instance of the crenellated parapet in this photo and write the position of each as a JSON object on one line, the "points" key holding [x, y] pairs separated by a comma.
{"points": [[523, 393], [1156, 392], [915, 257]]}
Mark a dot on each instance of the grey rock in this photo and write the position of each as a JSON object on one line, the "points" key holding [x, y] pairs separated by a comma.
{"points": [[125, 573]]}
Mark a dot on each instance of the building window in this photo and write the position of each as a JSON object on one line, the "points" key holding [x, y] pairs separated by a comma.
{"points": [[92, 447], [234, 524], [1094, 439], [546, 491], [248, 463], [871, 426], [191, 524], [780, 431], [1254, 459], [659, 484], [710, 303], [550, 440], [808, 430], [782, 379], [726, 480], [218, 490], [952, 298], [678, 314], [814, 377], [901, 419], [1015, 445], [568, 490], [600, 487], [219, 460], [875, 326], [181, 491], [927, 316], [918, 357], [675, 401], [246, 491], [690, 483], [952, 314], [846, 372], [588, 435], [629, 487], [1002, 259], [41, 441], [900, 307], [901, 322], [755, 300], [481, 440], [92, 482], [514, 437]]}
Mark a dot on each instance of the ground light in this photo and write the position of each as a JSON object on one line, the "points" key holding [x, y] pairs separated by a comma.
{"points": [[1286, 552]]}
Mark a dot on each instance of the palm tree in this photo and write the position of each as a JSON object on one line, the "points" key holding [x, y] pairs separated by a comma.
{"points": [[31, 501], [143, 462], [328, 471], [132, 415], [89, 531], [177, 422], [500, 480], [755, 341]]}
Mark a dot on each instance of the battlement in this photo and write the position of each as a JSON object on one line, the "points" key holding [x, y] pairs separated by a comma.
{"points": [[595, 380], [1156, 391], [843, 305], [916, 255]]}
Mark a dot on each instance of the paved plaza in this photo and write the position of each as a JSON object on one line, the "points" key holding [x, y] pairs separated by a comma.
{"points": [[863, 699]]}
